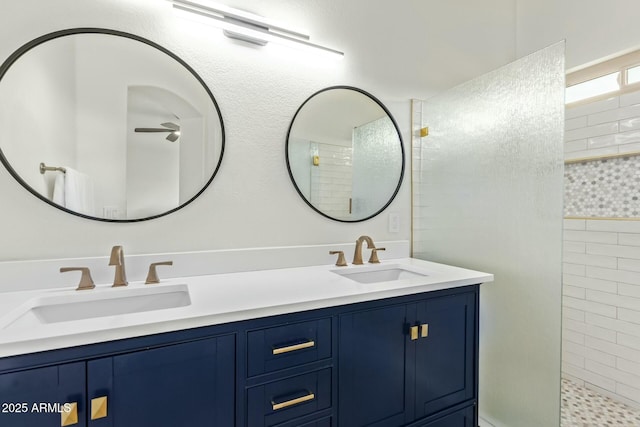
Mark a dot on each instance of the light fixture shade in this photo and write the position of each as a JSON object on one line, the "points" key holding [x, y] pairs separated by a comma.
{"points": [[249, 27]]}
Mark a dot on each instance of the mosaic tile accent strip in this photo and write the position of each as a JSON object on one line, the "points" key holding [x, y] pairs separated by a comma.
{"points": [[606, 188], [582, 407]]}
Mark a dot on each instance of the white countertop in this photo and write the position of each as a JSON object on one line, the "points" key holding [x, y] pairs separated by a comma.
{"points": [[216, 299]]}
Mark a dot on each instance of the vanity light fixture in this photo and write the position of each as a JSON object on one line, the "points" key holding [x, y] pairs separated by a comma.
{"points": [[248, 27]]}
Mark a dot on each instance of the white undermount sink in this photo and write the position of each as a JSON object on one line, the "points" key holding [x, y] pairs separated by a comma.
{"points": [[382, 273], [100, 303]]}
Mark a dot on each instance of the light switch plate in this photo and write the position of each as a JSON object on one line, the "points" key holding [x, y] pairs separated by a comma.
{"points": [[394, 223]]}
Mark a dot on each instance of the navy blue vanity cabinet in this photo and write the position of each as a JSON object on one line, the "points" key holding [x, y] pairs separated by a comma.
{"points": [[170, 382], [405, 362], [44, 397], [187, 384], [461, 418], [290, 372]]}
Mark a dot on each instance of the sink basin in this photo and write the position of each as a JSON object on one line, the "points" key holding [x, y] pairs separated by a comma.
{"points": [[100, 303], [380, 274]]}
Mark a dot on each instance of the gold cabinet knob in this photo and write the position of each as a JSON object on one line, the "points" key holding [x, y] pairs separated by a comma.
{"points": [[414, 333], [99, 408], [424, 330], [69, 414]]}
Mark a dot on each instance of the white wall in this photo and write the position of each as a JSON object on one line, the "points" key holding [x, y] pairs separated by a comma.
{"points": [[593, 29], [394, 50]]}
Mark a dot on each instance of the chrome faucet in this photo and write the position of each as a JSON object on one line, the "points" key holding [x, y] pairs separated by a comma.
{"points": [[117, 260], [357, 256]]}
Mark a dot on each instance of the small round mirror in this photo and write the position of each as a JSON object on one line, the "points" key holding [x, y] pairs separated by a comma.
{"points": [[344, 154], [107, 125]]}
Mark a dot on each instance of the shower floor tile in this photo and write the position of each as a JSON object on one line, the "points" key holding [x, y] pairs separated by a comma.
{"points": [[582, 407]]}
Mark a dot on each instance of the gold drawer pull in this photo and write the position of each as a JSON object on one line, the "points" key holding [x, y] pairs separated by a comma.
{"points": [[69, 414], [424, 330], [292, 402], [295, 347], [414, 333], [99, 408]]}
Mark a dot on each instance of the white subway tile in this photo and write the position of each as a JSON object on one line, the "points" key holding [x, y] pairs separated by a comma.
{"points": [[590, 236], [620, 226], [572, 313], [574, 224], [617, 325], [612, 348], [629, 99], [592, 107], [575, 326], [573, 347], [587, 259], [630, 239], [632, 137], [632, 316], [600, 357], [628, 366], [573, 291], [573, 359], [629, 341], [601, 333], [621, 113], [577, 122], [629, 148], [590, 283], [568, 246], [631, 393], [601, 141], [575, 269], [613, 275], [629, 290], [628, 264], [572, 336], [614, 300], [590, 306], [613, 250], [632, 123], [613, 373], [591, 153], [577, 145], [591, 131]]}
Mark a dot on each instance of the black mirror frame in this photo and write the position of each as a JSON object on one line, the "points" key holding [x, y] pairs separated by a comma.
{"points": [[393, 120], [57, 34]]}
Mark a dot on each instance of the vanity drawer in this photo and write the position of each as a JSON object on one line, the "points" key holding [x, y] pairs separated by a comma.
{"points": [[280, 401], [288, 345]]}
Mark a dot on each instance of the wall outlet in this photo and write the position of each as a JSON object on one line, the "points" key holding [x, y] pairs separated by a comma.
{"points": [[394, 223]]}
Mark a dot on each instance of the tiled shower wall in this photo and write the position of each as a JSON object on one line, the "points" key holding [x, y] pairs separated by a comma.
{"points": [[601, 261]]}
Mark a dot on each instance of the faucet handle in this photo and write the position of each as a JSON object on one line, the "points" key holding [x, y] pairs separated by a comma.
{"points": [[373, 259], [86, 282], [341, 262], [152, 276]]}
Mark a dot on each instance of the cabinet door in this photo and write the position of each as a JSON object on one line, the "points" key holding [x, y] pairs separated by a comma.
{"points": [[444, 359], [37, 397], [371, 367], [188, 384], [462, 418]]}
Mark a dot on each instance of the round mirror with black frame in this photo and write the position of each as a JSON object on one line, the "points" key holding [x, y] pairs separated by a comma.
{"points": [[345, 154], [108, 125]]}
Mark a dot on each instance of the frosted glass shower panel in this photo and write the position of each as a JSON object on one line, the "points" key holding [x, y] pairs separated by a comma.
{"points": [[374, 160], [488, 185]]}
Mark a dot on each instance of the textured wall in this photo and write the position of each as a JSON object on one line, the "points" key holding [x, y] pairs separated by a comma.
{"points": [[391, 51]]}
